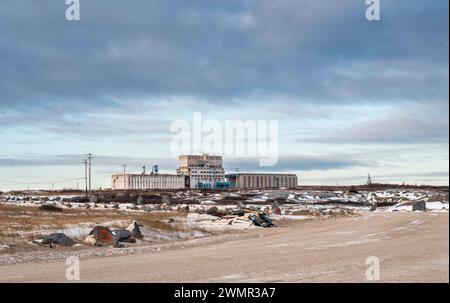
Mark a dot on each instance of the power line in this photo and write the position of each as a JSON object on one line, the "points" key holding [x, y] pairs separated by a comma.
{"points": [[38, 183]]}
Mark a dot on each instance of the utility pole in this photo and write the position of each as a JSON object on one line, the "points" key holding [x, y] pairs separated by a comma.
{"points": [[89, 158], [85, 161], [124, 177]]}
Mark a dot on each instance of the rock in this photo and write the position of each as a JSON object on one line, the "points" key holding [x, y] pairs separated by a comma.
{"points": [[103, 236], [254, 208], [124, 235], [214, 211], [87, 206], [419, 206], [183, 209], [275, 205], [93, 199], [373, 207], [135, 230], [166, 199], [140, 200], [240, 205], [146, 208], [58, 239], [50, 207], [277, 210], [90, 240], [116, 206]]}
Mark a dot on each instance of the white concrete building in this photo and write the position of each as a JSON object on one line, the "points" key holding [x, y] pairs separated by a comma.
{"points": [[204, 171], [257, 181], [147, 181]]}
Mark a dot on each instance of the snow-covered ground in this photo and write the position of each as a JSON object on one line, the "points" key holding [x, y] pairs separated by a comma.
{"points": [[198, 220]]}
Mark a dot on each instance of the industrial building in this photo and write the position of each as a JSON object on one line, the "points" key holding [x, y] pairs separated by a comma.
{"points": [[259, 181], [203, 171], [147, 181]]}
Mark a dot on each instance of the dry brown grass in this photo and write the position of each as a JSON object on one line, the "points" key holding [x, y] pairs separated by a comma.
{"points": [[15, 220]]}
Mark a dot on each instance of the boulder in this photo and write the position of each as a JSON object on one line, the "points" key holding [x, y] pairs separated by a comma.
{"points": [[58, 239], [277, 210], [93, 199], [124, 235], [50, 207], [419, 206], [275, 205], [214, 211], [135, 230], [166, 199], [103, 236]]}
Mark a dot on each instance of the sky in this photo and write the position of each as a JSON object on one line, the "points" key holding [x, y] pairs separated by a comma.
{"points": [[351, 96]]}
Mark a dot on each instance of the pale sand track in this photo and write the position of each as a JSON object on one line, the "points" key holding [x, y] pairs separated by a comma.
{"points": [[412, 247]]}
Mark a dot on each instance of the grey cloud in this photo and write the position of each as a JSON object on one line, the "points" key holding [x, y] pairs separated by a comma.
{"points": [[108, 162], [149, 48], [298, 163], [286, 163], [405, 124]]}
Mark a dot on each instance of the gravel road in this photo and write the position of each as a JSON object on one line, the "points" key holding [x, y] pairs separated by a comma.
{"points": [[411, 247]]}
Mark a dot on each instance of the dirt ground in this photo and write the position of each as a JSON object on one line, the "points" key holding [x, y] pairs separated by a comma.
{"points": [[411, 247]]}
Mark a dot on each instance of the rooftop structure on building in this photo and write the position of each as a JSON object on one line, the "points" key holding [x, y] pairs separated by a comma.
{"points": [[202, 171]]}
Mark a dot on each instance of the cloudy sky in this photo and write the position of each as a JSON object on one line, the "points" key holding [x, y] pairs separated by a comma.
{"points": [[351, 96]]}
